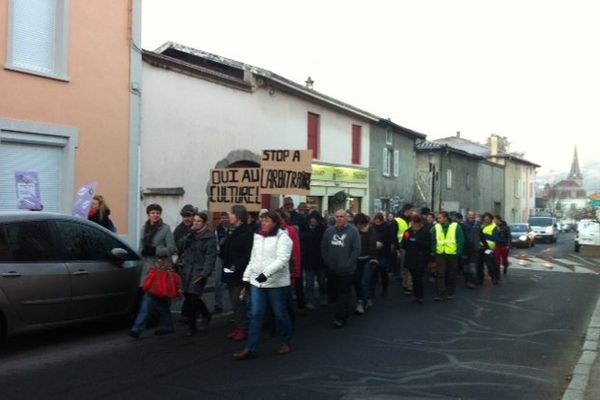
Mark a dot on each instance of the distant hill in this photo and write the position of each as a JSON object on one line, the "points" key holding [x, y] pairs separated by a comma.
{"points": [[590, 172]]}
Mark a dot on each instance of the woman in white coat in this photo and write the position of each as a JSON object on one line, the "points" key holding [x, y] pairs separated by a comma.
{"points": [[268, 278]]}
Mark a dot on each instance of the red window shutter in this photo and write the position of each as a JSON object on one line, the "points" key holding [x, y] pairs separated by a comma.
{"points": [[313, 133], [356, 137]]}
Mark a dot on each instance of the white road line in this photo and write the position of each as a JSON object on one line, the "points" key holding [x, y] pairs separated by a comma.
{"points": [[583, 270], [585, 261], [565, 261]]}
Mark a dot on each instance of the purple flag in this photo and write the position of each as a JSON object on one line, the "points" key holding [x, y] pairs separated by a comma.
{"points": [[28, 190], [83, 200]]}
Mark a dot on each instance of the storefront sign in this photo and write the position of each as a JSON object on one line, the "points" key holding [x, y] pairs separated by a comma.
{"points": [[83, 200], [286, 172], [339, 174], [231, 186], [28, 190]]}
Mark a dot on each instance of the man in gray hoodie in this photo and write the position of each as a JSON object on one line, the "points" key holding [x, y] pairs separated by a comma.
{"points": [[340, 248]]}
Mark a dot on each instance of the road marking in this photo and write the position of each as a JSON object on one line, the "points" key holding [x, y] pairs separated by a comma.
{"points": [[538, 264], [583, 270], [565, 261], [584, 260]]}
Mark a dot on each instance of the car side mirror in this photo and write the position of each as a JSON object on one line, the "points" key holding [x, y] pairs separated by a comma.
{"points": [[119, 254]]}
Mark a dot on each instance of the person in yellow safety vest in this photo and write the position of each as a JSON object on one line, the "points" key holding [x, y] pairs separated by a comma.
{"points": [[403, 224], [447, 244], [489, 240]]}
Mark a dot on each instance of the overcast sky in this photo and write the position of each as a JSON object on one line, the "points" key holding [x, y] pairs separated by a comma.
{"points": [[526, 69]]}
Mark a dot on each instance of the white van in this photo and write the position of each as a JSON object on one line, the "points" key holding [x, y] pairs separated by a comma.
{"points": [[588, 233], [545, 228]]}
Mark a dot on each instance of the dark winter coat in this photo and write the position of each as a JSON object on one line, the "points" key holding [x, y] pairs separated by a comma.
{"points": [[199, 256], [340, 248], [180, 232], [505, 235], [311, 247], [383, 233], [104, 221], [368, 244], [418, 247], [235, 253]]}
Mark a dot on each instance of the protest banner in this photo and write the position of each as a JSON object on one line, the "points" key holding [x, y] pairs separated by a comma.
{"points": [[83, 200], [231, 186], [286, 172], [28, 190]]}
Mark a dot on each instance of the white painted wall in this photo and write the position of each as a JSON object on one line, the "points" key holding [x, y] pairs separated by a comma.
{"points": [[189, 124]]}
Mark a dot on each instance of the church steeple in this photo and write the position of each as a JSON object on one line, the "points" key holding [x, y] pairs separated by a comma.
{"points": [[575, 174]]}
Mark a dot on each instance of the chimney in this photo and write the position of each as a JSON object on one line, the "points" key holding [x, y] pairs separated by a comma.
{"points": [[493, 145], [458, 134], [309, 83]]}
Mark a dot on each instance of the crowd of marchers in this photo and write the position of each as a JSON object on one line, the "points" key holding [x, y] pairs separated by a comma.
{"points": [[278, 264]]}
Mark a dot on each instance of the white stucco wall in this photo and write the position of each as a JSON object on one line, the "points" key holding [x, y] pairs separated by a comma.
{"points": [[190, 124], [519, 208]]}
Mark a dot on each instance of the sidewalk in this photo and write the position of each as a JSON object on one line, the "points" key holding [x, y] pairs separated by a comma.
{"points": [[585, 382]]}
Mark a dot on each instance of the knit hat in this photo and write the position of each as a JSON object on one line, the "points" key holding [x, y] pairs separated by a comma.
{"points": [[187, 209]]}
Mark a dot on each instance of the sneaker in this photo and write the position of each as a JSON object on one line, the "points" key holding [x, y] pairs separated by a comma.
{"points": [[360, 309], [133, 334], [218, 310], [437, 298], [338, 323], [369, 304], [310, 306], [449, 297], [284, 349], [244, 355], [408, 292]]}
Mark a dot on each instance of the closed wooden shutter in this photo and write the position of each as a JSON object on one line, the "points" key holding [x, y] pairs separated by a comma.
{"points": [[356, 137], [313, 133]]}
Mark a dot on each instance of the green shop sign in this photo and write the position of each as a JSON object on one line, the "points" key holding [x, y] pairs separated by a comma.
{"points": [[339, 174]]}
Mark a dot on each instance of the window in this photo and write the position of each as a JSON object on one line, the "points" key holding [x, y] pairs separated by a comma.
{"points": [[38, 37], [26, 242], [518, 189], [313, 133], [356, 137], [387, 159], [396, 163], [85, 243], [468, 181], [449, 179], [388, 137]]}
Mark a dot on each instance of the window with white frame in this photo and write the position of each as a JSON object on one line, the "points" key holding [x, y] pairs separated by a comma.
{"points": [[517, 186], [448, 179], [388, 137], [38, 37], [396, 163], [387, 161]]}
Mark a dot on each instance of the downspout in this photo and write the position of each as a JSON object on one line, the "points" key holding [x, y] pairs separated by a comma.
{"points": [[135, 80]]}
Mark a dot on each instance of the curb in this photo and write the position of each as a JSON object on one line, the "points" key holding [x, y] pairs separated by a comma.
{"points": [[581, 373]]}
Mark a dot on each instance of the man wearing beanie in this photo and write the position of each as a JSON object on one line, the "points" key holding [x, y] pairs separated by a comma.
{"points": [[185, 227]]}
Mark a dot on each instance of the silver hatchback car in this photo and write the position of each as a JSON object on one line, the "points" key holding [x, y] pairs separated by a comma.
{"points": [[56, 270]]}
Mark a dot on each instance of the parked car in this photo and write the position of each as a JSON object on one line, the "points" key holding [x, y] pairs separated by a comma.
{"points": [[57, 269], [587, 233], [545, 228], [522, 235]]}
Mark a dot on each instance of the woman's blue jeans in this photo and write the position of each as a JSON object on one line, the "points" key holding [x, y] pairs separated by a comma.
{"points": [[278, 298]]}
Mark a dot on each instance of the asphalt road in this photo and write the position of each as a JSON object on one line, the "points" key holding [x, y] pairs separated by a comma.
{"points": [[518, 340]]}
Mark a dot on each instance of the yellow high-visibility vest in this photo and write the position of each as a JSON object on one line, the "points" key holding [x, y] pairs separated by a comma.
{"points": [[446, 244], [402, 227], [489, 231]]}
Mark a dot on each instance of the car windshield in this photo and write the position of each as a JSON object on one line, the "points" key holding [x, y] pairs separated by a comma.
{"points": [[540, 221], [518, 228]]}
